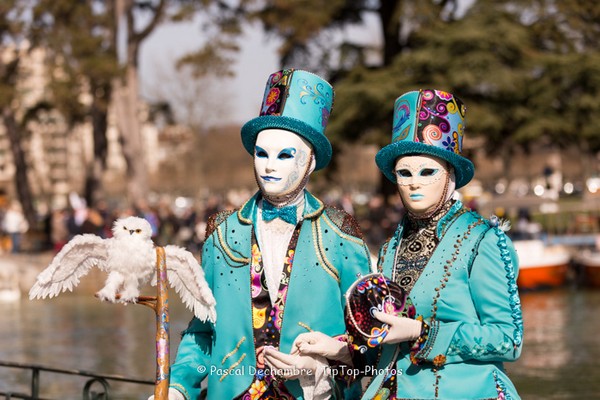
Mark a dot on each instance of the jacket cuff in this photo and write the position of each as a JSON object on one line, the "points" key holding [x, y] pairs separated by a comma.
{"points": [[434, 342]]}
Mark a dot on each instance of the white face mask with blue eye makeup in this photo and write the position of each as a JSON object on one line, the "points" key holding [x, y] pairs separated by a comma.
{"points": [[283, 162], [422, 183]]}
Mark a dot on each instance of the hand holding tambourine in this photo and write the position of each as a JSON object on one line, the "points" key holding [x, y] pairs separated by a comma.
{"points": [[377, 307]]}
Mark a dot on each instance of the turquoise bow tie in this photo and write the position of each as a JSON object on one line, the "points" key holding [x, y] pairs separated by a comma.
{"points": [[287, 214]]}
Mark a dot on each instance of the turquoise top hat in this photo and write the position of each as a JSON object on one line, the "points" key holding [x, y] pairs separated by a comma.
{"points": [[297, 101], [428, 122]]}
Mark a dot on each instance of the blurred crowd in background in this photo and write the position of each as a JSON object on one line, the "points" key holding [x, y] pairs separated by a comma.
{"points": [[180, 221]]}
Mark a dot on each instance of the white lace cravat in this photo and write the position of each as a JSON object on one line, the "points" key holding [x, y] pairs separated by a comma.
{"points": [[273, 239]]}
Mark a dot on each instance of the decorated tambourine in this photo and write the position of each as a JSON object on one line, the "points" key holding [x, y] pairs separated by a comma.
{"points": [[370, 293]]}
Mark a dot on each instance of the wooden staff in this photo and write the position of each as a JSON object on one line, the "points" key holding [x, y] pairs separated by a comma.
{"points": [[160, 305]]}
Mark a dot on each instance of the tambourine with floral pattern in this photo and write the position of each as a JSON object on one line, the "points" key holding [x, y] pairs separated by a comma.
{"points": [[370, 293]]}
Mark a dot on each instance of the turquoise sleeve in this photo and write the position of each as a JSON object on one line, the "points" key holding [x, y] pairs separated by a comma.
{"points": [[193, 359], [497, 335], [192, 363]]}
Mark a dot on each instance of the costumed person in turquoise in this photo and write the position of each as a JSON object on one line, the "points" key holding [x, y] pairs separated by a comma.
{"points": [[278, 266], [458, 268]]}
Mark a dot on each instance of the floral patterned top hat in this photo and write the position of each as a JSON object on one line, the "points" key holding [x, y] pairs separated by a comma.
{"points": [[430, 122], [297, 101]]}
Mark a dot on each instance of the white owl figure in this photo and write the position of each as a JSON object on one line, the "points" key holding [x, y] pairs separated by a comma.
{"points": [[129, 257]]}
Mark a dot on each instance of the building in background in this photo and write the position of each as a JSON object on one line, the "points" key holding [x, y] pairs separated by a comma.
{"points": [[58, 156]]}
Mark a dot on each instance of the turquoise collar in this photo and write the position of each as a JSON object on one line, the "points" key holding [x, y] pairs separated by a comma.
{"points": [[448, 218]]}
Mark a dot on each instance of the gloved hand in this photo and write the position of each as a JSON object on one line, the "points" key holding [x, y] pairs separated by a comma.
{"points": [[400, 329], [289, 366], [318, 343], [173, 395]]}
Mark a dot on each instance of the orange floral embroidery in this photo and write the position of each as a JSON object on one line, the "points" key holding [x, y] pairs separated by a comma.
{"points": [[272, 96]]}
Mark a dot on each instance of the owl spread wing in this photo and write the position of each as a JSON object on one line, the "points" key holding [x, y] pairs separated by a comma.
{"points": [[75, 260], [187, 278]]}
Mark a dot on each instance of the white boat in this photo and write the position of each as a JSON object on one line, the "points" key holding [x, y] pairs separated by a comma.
{"points": [[540, 265]]}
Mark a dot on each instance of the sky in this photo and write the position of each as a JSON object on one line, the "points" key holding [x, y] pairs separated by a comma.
{"points": [[240, 96]]}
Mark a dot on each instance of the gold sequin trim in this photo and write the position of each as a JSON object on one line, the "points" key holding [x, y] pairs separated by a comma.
{"points": [[232, 352], [239, 213], [181, 389], [302, 324], [228, 250], [342, 234], [238, 362], [448, 265], [327, 266]]}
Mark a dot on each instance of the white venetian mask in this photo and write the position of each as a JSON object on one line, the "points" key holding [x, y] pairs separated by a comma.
{"points": [[282, 161], [421, 182]]}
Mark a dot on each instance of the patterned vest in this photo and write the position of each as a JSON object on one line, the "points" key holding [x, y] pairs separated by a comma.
{"points": [[266, 320]]}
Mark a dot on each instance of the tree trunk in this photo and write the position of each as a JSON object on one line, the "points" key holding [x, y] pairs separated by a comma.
{"points": [[390, 30], [126, 107], [21, 182], [126, 103], [126, 97], [99, 114]]}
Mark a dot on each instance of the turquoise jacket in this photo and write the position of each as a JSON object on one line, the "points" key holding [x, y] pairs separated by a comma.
{"points": [[478, 322], [329, 254]]}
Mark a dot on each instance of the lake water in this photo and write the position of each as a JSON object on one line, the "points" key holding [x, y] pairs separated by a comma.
{"points": [[562, 345], [559, 359]]}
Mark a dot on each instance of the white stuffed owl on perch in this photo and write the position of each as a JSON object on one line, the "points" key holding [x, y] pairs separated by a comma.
{"points": [[129, 257]]}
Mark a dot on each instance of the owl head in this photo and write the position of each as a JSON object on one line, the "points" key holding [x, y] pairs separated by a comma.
{"points": [[134, 227]]}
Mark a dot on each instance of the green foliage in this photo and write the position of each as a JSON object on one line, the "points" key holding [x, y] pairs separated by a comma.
{"points": [[364, 96], [79, 41], [220, 35], [522, 83], [214, 58], [297, 22], [487, 68], [527, 69]]}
